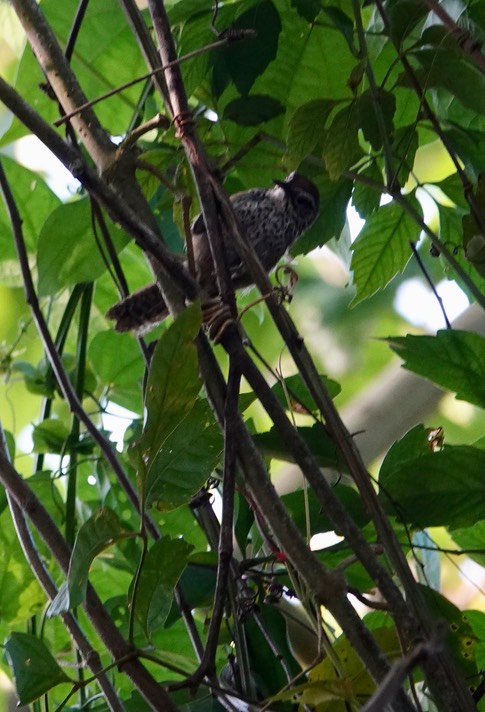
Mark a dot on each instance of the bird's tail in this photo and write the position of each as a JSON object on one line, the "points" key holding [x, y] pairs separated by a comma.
{"points": [[139, 312]]}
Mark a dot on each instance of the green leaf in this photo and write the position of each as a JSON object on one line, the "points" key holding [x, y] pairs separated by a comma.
{"points": [[415, 443], [341, 147], [173, 383], [382, 248], [98, 533], [317, 438], [271, 674], [453, 359], [34, 669], [365, 198], [34, 200], [334, 199], [319, 522], [117, 362], [404, 145], [67, 252], [368, 107], [185, 461], [326, 685], [306, 128], [104, 49], [403, 16], [161, 570], [294, 393], [308, 9], [50, 436], [247, 60], [20, 595], [460, 637], [451, 69], [470, 538], [253, 110], [470, 146], [343, 23], [444, 488]]}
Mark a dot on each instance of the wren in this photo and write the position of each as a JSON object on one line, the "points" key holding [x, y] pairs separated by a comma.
{"points": [[272, 219]]}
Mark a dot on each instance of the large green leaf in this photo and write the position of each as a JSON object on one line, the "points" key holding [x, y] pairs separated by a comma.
{"points": [[67, 251], [372, 109], [341, 148], [34, 201], [50, 436], [292, 392], [105, 55], [319, 522], [253, 110], [453, 70], [444, 488], [382, 248], [186, 460], [161, 570], [366, 199], [317, 438], [453, 359], [173, 384], [99, 532], [306, 128], [247, 60], [313, 61], [115, 358], [20, 595], [35, 670], [460, 637]]}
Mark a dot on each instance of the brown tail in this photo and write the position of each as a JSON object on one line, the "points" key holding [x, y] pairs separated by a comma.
{"points": [[139, 312]]}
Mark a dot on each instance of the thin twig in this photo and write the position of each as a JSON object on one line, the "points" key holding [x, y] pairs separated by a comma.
{"points": [[75, 28], [386, 693], [424, 271], [143, 77]]}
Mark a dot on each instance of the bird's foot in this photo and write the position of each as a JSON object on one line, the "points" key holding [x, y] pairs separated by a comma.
{"points": [[216, 317]]}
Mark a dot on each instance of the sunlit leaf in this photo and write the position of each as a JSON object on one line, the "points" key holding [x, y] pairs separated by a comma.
{"points": [[50, 436], [34, 201], [453, 359], [382, 248], [366, 199], [67, 251]]}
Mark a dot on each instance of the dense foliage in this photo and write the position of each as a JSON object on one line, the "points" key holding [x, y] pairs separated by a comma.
{"points": [[165, 572]]}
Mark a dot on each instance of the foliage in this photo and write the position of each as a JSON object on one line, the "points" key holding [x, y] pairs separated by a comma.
{"points": [[163, 600]]}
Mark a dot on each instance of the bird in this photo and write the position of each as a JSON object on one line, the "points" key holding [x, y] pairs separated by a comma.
{"points": [[272, 219]]}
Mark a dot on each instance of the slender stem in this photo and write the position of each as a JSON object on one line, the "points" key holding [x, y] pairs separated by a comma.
{"points": [[75, 429], [391, 174], [142, 78]]}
